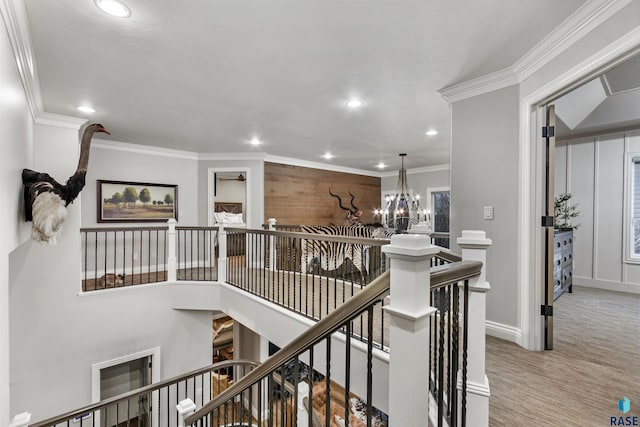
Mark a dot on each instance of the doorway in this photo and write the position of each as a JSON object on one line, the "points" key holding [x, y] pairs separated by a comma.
{"points": [[229, 191], [582, 109], [117, 376]]}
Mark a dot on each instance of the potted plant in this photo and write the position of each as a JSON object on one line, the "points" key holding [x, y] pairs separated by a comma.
{"points": [[565, 212]]}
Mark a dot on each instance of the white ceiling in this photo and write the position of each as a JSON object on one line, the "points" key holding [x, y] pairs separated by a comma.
{"points": [[208, 75], [609, 102]]}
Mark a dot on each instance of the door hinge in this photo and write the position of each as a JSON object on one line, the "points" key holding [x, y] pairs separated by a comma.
{"points": [[548, 131], [547, 221], [546, 310]]}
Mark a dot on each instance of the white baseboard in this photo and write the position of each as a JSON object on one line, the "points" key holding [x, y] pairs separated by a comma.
{"points": [[607, 285], [505, 332]]}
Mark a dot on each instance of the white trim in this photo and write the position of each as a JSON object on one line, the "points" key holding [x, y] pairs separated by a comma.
{"points": [[584, 20], [530, 290], [155, 376], [596, 183], [484, 84], [502, 331], [17, 23], [143, 149], [60, 121], [318, 165], [425, 169], [607, 285], [231, 156]]}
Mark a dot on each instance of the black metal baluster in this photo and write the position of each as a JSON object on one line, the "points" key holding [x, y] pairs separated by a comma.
{"points": [[310, 395], [369, 365], [453, 397], [465, 344], [327, 396], [441, 302], [347, 375]]}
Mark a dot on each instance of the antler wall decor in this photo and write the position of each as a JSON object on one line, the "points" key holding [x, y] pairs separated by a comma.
{"points": [[354, 214]]}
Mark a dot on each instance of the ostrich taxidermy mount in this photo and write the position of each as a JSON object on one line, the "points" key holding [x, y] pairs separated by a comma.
{"points": [[45, 199]]}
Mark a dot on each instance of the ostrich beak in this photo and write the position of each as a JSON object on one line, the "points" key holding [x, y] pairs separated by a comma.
{"points": [[103, 130]]}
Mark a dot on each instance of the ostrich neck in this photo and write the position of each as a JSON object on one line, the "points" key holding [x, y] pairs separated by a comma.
{"points": [[83, 162]]}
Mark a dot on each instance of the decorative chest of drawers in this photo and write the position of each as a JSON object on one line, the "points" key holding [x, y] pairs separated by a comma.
{"points": [[562, 262]]}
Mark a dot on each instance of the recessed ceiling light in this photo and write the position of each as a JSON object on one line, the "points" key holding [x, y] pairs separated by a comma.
{"points": [[328, 155], [86, 109], [354, 103], [114, 8], [255, 141], [432, 132], [381, 165]]}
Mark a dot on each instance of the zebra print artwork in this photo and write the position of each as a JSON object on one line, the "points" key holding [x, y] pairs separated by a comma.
{"points": [[331, 255]]}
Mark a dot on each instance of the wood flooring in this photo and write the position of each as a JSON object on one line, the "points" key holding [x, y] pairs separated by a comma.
{"points": [[595, 362]]}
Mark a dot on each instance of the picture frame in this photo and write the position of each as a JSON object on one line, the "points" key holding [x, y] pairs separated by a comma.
{"points": [[127, 201]]}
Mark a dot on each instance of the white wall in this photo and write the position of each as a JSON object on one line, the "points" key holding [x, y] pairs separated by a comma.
{"points": [[119, 163], [16, 134], [592, 170], [484, 160], [56, 335]]}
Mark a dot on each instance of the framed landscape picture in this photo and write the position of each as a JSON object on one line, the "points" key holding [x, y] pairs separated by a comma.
{"points": [[123, 201]]}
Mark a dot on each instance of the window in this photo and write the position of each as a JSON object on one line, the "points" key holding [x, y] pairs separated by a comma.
{"points": [[632, 210], [439, 205]]}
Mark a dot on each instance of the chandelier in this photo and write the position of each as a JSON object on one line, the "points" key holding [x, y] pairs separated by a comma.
{"points": [[402, 209]]}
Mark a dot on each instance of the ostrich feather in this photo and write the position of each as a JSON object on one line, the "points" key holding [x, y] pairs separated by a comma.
{"points": [[48, 215]]}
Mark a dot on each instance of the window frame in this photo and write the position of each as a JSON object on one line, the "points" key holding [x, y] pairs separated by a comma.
{"points": [[631, 158]]}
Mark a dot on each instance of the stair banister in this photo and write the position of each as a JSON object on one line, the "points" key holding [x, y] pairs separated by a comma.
{"points": [[474, 245]]}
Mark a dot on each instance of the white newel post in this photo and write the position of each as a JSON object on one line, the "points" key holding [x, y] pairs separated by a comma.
{"points": [[185, 408], [474, 244], [272, 244], [409, 312], [21, 420], [222, 253], [171, 253]]}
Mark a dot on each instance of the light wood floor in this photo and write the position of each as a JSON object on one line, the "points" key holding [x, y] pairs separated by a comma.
{"points": [[595, 362]]}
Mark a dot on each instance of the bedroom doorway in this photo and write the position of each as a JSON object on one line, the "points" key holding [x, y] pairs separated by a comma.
{"points": [[228, 196]]}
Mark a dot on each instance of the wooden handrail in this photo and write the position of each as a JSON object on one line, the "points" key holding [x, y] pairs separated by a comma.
{"points": [[314, 236], [443, 275], [140, 391], [101, 229]]}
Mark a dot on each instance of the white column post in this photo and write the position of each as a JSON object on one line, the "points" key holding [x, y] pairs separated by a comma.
{"points": [[185, 408], [272, 244], [474, 244], [171, 254], [409, 313], [222, 253]]}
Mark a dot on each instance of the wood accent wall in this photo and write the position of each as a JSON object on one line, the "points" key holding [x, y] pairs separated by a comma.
{"points": [[299, 195]]}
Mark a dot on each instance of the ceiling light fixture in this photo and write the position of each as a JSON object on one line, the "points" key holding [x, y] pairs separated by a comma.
{"points": [[328, 155], [381, 165], [432, 132], [114, 8], [403, 208], [255, 141], [86, 109], [354, 103]]}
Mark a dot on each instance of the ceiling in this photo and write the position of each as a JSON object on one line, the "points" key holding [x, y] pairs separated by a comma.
{"points": [[209, 75], [609, 102]]}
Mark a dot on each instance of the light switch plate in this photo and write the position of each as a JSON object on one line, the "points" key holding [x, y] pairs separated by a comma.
{"points": [[488, 212]]}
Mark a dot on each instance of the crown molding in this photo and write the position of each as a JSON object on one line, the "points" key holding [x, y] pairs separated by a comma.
{"points": [[14, 14], [318, 165], [232, 156], [580, 23], [143, 149], [60, 121], [484, 84], [584, 20], [435, 168]]}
